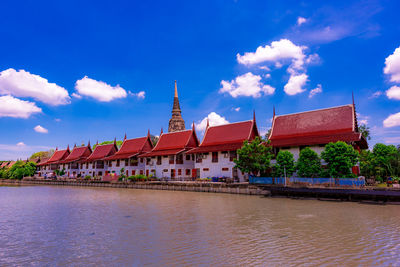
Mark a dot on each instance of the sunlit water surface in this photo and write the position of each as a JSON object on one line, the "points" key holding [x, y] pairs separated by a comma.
{"points": [[59, 226]]}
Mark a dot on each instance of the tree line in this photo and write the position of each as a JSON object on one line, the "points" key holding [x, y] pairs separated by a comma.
{"points": [[336, 161]]}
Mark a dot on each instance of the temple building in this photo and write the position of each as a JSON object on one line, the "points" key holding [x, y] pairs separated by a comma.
{"points": [[176, 123], [214, 156], [315, 129], [74, 162], [54, 163], [95, 164], [169, 158], [128, 156]]}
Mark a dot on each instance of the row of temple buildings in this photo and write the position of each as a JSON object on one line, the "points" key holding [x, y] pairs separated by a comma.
{"points": [[180, 154]]}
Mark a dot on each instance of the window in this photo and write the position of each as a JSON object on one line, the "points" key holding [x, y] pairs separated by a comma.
{"points": [[199, 158], [133, 162], [214, 157], [148, 161], [118, 162], [133, 172], [171, 159], [179, 171], [232, 155], [206, 169], [87, 165], [141, 172], [187, 157], [126, 162], [141, 160], [165, 170], [225, 169], [179, 159], [159, 160], [187, 172]]}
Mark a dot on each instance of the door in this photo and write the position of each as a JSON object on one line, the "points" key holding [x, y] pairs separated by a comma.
{"points": [[172, 173], [147, 172]]}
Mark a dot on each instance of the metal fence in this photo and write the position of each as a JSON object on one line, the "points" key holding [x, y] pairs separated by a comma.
{"points": [[345, 182]]}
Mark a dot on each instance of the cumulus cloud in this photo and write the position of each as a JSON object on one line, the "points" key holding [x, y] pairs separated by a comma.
{"points": [[99, 90], [237, 109], [392, 121], [140, 95], [40, 129], [295, 84], [246, 85], [393, 92], [376, 94], [76, 95], [278, 51], [24, 84], [21, 144], [392, 66], [316, 90], [301, 20], [16, 108], [213, 118]]}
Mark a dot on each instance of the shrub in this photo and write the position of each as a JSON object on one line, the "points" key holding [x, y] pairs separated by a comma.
{"points": [[309, 163], [340, 158], [88, 177], [285, 163]]}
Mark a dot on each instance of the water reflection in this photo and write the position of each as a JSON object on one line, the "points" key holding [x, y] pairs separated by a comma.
{"points": [[75, 226]]}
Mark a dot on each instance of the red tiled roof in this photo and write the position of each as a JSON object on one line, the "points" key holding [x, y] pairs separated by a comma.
{"points": [[130, 148], [78, 153], [102, 151], [58, 156], [43, 161], [4, 164], [227, 137], [315, 127], [174, 143]]}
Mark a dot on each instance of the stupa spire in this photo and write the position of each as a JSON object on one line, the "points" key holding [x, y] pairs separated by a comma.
{"points": [[176, 123]]}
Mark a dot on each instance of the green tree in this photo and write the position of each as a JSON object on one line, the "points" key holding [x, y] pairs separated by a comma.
{"points": [[309, 163], [42, 154], [119, 143], [285, 164], [384, 159], [340, 158], [365, 131], [254, 157], [154, 139], [21, 169], [60, 172], [366, 166]]}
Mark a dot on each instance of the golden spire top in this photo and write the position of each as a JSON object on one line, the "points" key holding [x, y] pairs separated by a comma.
{"points": [[176, 90]]}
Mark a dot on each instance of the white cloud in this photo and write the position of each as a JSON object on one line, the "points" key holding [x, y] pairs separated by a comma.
{"points": [[267, 76], [392, 140], [392, 121], [21, 144], [99, 90], [295, 84], [315, 91], [393, 92], [376, 94], [278, 51], [141, 94], [264, 68], [40, 129], [16, 108], [237, 109], [392, 66], [76, 95], [57, 120], [246, 85], [213, 118], [24, 84], [301, 20]]}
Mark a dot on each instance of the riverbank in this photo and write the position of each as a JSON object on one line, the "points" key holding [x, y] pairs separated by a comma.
{"points": [[241, 188], [366, 194]]}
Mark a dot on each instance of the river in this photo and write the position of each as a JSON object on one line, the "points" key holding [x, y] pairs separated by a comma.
{"points": [[63, 226]]}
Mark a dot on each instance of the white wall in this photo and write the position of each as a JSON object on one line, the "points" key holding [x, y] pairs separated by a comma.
{"points": [[165, 165]]}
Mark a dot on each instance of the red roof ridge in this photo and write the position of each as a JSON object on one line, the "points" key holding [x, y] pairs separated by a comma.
{"points": [[295, 113], [229, 123], [187, 130]]}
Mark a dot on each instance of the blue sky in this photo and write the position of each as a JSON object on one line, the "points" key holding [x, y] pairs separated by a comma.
{"points": [[95, 70]]}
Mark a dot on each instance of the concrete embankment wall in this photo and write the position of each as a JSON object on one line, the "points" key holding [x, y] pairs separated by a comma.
{"points": [[174, 186]]}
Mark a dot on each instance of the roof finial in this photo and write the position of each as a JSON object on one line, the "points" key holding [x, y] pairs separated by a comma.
{"points": [[125, 137], [193, 129], [176, 90], [97, 142], [254, 115], [56, 148], [74, 145], [148, 133], [273, 115], [115, 141], [88, 144], [68, 147], [161, 131], [208, 123], [352, 96]]}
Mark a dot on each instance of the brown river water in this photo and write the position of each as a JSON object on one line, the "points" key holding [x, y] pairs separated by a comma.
{"points": [[70, 226]]}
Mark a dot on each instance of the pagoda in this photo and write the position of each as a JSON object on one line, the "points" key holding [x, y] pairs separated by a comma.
{"points": [[176, 123]]}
